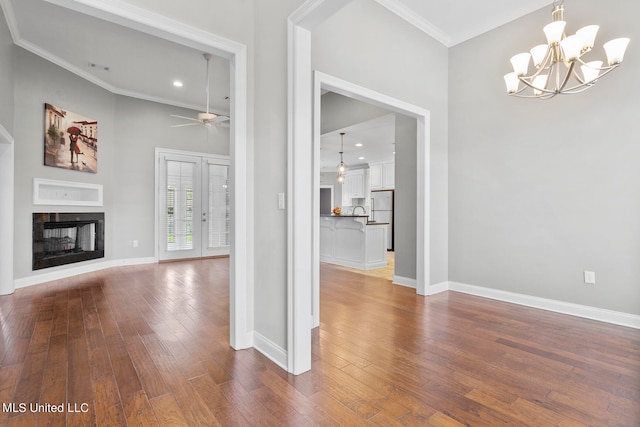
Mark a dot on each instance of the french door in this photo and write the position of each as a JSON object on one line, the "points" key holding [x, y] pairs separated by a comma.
{"points": [[193, 205]]}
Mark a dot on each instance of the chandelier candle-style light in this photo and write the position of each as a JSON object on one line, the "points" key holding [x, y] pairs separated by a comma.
{"points": [[557, 61], [342, 167]]}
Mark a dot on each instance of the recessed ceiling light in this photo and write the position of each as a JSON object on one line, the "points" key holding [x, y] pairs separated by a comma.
{"points": [[359, 144], [360, 158], [177, 83]]}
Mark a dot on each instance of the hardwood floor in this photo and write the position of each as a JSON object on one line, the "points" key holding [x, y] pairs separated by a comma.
{"points": [[383, 273], [148, 345]]}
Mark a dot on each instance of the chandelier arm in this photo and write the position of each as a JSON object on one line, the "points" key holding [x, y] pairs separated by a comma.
{"points": [[544, 90], [606, 68], [545, 96], [566, 77], [587, 85]]}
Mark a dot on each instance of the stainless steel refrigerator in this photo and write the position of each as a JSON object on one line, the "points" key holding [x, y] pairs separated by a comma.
{"points": [[382, 211]]}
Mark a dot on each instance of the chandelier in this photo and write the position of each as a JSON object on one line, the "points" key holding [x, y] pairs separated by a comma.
{"points": [[557, 61], [342, 167]]}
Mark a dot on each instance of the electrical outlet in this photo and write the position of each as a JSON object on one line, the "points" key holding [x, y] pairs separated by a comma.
{"points": [[135, 243], [589, 277]]}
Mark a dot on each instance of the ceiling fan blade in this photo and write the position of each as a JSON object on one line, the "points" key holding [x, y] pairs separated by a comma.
{"points": [[183, 117], [222, 125], [186, 124], [220, 119]]}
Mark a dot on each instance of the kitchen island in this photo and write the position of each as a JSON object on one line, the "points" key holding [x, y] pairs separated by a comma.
{"points": [[352, 241]]}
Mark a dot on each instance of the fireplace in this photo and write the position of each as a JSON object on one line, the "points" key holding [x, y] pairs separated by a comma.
{"points": [[65, 238]]}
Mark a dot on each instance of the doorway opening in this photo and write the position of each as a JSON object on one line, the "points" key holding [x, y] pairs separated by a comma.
{"points": [[415, 199]]}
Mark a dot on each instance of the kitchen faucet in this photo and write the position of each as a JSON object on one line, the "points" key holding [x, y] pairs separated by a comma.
{"points": [[364, 212]]}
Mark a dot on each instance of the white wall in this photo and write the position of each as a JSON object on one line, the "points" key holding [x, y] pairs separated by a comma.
{"points": [[367, 45], [542, 190]]}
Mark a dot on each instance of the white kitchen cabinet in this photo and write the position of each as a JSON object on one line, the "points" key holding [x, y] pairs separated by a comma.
{"points": [[375, 176], [354, 186], [388, 176], [355, 179], [382, 176], [346, 195], [350, 242]]}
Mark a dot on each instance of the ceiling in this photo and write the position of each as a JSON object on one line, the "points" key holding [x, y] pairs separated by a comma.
{"points": [[133, 63], [377, 137]]}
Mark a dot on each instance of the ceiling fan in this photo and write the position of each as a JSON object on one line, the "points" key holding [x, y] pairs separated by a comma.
{"points": [[207, 119]]}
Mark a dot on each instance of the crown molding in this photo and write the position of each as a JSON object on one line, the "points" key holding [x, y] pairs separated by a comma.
{"points": [[416, 20], [122, 13]]}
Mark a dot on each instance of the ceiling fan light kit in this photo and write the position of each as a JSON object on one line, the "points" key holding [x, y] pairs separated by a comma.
{"points": [[557, 62]]}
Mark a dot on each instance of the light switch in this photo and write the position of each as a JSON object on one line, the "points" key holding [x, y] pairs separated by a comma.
{"points": [[281, 201]]}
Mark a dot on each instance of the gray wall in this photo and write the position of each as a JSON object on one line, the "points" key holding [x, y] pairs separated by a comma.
{"points": [[338, 111], [38, 82], [142, 126], [542, 190], [404, 239], [6, 75], [367, 45], [270, 174]]}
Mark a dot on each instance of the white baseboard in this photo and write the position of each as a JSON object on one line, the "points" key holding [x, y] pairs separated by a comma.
{"points": [[404, 281], [593, 313], [437, 288], [75, 270], [272, 351]]}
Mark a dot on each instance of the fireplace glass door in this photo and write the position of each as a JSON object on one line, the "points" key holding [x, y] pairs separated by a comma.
{"points": [[194, 206]]}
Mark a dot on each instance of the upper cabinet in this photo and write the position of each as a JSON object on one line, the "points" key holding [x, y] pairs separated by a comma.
{"points": [[382, 176], [354, 186], [375, 176]]}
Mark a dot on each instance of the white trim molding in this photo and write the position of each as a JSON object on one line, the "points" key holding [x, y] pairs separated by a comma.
{"points": [[7, 190], [404, 281], [402, 11], [587, 312], [80, 268]]}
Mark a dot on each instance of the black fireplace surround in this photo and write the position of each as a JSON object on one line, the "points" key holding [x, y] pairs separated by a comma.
{"points": [[65, 238]]}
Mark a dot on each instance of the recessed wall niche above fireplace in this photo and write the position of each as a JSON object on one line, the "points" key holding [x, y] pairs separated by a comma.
{"points": [[65, 238]]}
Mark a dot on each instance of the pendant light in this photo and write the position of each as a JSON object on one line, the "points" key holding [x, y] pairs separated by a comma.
{"points": [[342, 167]]}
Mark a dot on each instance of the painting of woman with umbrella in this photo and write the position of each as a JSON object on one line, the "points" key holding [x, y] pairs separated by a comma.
{"points": [[81, 133]]}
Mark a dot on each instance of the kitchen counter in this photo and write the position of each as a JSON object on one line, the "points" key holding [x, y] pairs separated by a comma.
{"points": [[354, 216], [344, 216], [351, 241]]}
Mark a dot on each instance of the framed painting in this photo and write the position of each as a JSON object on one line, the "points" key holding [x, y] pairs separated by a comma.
{"points": [[70, 140]]}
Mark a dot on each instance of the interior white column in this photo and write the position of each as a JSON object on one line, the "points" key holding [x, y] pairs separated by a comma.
{"points": [[7, 284]]}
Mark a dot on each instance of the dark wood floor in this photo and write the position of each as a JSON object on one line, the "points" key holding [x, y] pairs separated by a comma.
{"points": [[148, 345]]}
